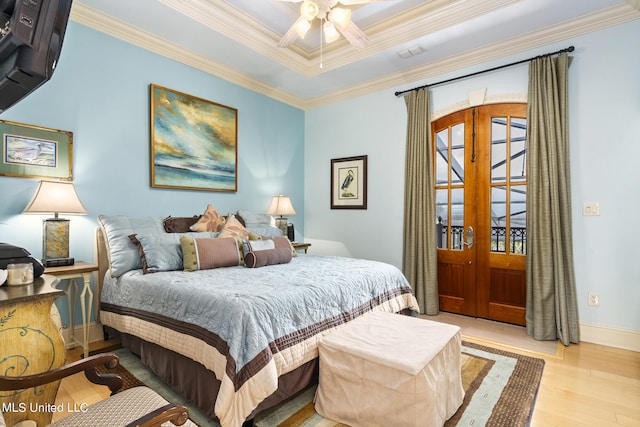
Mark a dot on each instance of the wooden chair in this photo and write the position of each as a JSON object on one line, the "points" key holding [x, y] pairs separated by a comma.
{"points": [[137, 406]]}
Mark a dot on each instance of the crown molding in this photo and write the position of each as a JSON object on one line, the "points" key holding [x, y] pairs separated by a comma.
{"points": [[403, 27], [233, 23], [573, 28], [116, 28], [262, 39]]}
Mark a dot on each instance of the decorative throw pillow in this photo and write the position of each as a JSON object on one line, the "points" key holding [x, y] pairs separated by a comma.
{"points": [[257, 245], [239, 218], [123, 254], [179, 224], [207, 253], [162, 251], [284, 242], [211, 220], [143, 257], [267, 257], [233, 228]]}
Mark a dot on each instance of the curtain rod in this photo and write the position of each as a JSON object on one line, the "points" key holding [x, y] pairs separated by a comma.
{"points": [[568, 49]]}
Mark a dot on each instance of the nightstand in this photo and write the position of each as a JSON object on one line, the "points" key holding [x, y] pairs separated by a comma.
{"points": [[80, 270], [299, 245]]}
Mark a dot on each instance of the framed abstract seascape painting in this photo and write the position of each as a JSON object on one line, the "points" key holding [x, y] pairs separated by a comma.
{"points": [[349, 183], [35, 152], [194, 142]]}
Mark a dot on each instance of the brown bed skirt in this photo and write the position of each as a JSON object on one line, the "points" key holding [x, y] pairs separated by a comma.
{"points": [[198, 384]]}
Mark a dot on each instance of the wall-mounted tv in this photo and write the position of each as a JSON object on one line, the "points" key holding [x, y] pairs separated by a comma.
{"points": [[31, 34]]}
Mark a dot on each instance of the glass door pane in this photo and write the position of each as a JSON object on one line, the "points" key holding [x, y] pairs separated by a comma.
{"points": [[449, 174], [508, 181], [518, 149], [442, 218], [442, 157], [457, 218]]}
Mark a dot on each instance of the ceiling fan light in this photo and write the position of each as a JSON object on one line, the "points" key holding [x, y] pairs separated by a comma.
{"points": [[340, 16], [302, 27], [330, 32], [309, 10]]}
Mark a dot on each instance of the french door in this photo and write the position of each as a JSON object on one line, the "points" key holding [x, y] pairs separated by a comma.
{"points": [[481, 186]]}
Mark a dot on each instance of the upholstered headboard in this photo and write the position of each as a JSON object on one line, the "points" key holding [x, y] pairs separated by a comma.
{"points": [[102, 256], [103, 266]]}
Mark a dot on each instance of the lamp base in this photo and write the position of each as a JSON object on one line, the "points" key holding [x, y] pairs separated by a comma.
{"points": [[58, 262], [281, 223], [55, 238]]}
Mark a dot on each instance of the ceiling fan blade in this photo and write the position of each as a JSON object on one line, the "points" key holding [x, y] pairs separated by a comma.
{"points": [[290, 36], [354, 34]]}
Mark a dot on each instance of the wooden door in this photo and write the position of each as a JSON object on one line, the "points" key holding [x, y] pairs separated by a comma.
{"points": [[480, 176]]}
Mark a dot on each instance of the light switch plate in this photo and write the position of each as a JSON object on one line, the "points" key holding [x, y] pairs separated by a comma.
{"points": [[591, 209]]}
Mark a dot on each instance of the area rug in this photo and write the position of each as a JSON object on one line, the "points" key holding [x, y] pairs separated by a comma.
{"points": [[500, 390]]}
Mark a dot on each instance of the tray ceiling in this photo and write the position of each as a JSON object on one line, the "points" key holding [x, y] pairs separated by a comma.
{"points": [[410, 40]]}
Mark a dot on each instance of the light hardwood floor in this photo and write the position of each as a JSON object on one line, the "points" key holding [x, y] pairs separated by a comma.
{"points": [[582, 385]]}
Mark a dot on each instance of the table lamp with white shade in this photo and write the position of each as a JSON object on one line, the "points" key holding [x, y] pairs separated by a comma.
{"points": [[281, 205], [55, 197]]}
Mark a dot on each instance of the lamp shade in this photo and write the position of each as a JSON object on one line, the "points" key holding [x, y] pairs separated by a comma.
{"points": [[56, 197], [281, 205]]}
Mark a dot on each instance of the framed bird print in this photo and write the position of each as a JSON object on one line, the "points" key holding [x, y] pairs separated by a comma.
{"points": [[349, 183], [35, 152]]}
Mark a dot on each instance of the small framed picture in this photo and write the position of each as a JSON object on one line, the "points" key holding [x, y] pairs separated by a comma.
{"points": [[35, 152], [349, 183]]}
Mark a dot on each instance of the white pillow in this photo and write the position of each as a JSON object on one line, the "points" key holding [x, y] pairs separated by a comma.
{"points": [[254, 218]]}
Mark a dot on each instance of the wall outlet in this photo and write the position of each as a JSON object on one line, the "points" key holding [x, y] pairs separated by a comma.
{"points": [[594, 299]]}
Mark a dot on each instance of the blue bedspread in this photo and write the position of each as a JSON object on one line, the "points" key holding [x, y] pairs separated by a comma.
{"points": [[259, 305], [262, 322]]}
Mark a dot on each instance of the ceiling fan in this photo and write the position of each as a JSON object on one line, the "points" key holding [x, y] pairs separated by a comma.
{"points": [[335, 20]]}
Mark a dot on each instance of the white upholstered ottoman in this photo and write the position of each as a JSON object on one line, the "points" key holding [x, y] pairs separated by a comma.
{"points": [[386, 369]]}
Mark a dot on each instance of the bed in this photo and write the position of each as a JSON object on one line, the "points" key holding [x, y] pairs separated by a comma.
{"points": [[233, 340]]}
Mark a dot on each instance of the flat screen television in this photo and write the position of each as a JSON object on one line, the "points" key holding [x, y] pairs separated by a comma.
{"points": [[31, 34]]}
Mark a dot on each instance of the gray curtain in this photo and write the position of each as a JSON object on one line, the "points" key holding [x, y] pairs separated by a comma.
{"points": [[552, 310], [419, 257]]}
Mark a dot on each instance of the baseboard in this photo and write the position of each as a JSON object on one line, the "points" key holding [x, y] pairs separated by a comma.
{"points": [[627, 339]]}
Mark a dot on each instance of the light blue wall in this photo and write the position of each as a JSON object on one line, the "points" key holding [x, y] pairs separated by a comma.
{"points": [[604, 129], [100, 92]]}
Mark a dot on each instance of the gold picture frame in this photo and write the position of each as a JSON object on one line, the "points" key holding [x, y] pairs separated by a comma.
{"points": [[30, 151], [349, 183], [194, 142]]}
